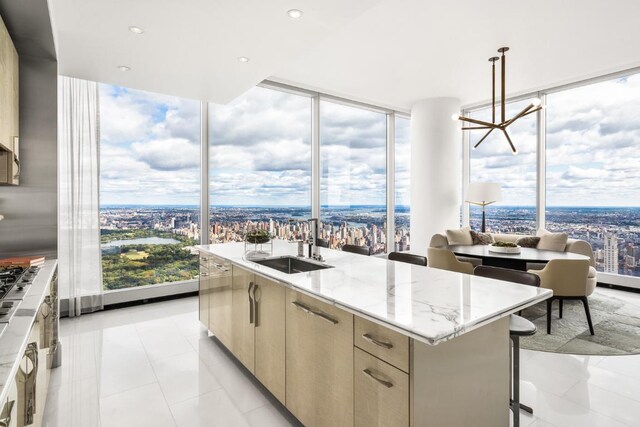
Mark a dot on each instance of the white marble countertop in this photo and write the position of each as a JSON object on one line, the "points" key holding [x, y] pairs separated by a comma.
{"points": [[424, 303], [14, 339]]}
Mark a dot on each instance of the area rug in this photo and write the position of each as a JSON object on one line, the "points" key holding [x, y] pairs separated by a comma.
{"points": [[616, 324]]}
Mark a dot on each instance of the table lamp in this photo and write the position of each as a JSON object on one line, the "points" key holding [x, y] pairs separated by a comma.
{"points": [[483, 194]]}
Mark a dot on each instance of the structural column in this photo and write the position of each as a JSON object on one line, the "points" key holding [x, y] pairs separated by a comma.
{"points": [[436, 170]]}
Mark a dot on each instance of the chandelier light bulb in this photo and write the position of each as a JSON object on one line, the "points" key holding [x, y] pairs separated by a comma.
{"points": [[455, 116], [514, 152], [536, 102]]}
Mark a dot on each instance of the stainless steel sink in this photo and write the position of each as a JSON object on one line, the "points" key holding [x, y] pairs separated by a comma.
{"points": [[291, 265]]}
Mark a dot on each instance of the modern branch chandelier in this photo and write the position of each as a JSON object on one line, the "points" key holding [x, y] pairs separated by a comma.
{"points": [[534, 105]]}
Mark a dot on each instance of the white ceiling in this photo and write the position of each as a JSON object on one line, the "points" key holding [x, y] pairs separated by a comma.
{"points": [[388, 52], [190, 47], [402, 51]]}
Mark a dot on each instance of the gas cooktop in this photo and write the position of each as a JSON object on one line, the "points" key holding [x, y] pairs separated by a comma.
{"points": [[14, 281], [14, 285]]}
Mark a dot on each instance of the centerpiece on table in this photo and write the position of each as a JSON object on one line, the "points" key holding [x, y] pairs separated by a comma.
{"points": [[258, 244], [504, 247]]}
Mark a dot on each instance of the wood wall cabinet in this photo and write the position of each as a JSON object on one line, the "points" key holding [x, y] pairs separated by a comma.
{"points": [[319, 362], [219, 286], [9, 109]]}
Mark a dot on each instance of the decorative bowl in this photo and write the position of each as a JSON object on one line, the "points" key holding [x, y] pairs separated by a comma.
{"points": [[504, 248], [257, 237]]}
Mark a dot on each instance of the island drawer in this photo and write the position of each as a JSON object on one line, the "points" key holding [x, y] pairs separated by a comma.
{"points": [[381, 392], [388, 345]]}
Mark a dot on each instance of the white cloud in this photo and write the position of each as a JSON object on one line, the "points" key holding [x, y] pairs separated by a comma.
{"points": [[168, 154]]}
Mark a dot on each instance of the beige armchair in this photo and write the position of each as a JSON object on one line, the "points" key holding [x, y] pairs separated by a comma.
{"points": [[446, 260], [568, 280]]}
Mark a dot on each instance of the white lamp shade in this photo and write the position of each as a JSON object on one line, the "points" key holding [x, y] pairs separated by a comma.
{"points": [[484, 192]]}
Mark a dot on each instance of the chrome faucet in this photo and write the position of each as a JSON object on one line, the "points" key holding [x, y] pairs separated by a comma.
{"points": [[313, 239]]}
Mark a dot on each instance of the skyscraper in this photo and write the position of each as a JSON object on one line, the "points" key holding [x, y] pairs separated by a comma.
{"points": [[611, 253]]}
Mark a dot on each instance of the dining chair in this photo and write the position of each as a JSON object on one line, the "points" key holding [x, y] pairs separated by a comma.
{"points": [[518, 327], [322, 243], [567, 278], [444, 259], [355, 249], [408, 258]]}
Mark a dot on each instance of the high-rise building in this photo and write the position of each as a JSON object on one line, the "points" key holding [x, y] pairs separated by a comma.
{"points": [[611, 253]]}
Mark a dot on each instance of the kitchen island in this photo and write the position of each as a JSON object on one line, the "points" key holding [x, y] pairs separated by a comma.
{"points": [[367, 341]]}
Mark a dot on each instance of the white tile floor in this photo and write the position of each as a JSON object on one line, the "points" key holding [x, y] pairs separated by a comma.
{"points": [[153, 365]]}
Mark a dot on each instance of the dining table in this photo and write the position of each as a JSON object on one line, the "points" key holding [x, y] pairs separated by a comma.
{"points": [[515, 261]]}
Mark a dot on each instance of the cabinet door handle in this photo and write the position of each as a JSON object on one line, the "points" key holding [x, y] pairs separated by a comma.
{"points": [[319, 314], [6, 413], [302, 306], [251, 307], [379, 343], [256, 318], [387, 384]]}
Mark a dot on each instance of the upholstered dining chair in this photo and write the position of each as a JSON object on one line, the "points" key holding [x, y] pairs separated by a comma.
{"points": [[408, 258], [518, 327], [567, 278], [446, 260], [361, 250]]}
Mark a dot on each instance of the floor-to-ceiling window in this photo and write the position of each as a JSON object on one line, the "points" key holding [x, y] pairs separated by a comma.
{"points": [[353, 176], [149, 187], [260, 166], [592, 169], [493, 161], [402, 183]]}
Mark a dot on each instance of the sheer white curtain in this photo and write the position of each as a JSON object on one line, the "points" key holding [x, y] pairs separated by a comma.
{"points": [[80, 267]]}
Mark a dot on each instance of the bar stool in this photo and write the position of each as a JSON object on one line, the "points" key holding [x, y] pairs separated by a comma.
{"points": [[518, 327], [408, 258]]}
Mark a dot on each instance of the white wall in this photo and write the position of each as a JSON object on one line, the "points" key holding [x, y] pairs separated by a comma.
{"points": [[436, 170]]}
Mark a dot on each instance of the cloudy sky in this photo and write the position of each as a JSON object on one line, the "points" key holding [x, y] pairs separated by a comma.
{"points": [[149, 148], [593, 142], [261, 150]]}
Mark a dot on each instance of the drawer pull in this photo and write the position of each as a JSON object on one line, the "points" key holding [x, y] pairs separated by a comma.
{"points": [[221, 267], [319, 314], [203, 274], [204, 258], [379, 343], [387, 384]]}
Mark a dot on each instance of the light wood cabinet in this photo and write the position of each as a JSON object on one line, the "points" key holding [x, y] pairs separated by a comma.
{"points": [[9, 109], [270, 335], [243, 317], [388, 345], [319, 362], [381, 392], [204, 290], [220, 299], [33, 363], [9, 408]]}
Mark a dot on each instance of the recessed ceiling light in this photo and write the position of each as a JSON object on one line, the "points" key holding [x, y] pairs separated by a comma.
{"points": [[123, 68], [243, 59], [136, 30], [294, 14]]}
